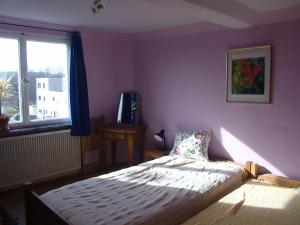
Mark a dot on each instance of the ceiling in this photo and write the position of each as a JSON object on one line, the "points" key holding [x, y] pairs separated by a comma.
{"points": [[136, 16]]}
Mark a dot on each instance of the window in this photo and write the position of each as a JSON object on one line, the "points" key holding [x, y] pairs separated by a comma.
{"points": [[10, 74], [35, 68]]}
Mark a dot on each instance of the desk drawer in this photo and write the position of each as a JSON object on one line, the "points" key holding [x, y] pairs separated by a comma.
{"points": [[113, 136]]}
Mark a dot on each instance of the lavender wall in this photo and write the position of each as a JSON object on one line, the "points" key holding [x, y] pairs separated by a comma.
{"points": [[182, 80], [109, 67]]}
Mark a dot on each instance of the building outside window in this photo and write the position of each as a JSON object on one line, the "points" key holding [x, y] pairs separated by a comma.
{"points": [[44, 79], [55, 102]]}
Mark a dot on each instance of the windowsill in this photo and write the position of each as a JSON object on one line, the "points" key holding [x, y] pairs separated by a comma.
{"points": [[20, 131]]}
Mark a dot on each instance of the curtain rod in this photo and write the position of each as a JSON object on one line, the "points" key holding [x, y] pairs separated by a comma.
{"points": [[40, 28]]}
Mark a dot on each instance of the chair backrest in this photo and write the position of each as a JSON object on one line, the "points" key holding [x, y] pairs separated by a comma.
{"points": [[92, 142]]}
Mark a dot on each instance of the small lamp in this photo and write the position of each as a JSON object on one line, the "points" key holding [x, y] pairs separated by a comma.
{"points": [[160, 136]]}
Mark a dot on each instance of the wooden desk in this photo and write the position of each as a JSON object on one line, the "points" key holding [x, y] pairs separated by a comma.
{"points": [[123, 132]]}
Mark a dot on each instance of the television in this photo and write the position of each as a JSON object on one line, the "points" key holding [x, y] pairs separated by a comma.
{"points": [[129, 108]]}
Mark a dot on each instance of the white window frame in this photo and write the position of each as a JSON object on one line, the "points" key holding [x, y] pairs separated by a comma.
{"points": [[23, 75]]}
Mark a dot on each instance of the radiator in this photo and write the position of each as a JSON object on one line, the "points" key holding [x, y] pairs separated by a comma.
{"points": [[37, 156]]}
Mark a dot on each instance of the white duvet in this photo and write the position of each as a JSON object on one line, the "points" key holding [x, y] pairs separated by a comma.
{"points": [[165, 191]]}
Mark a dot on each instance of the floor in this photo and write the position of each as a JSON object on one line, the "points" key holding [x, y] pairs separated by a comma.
{"points": [[13, 201], [16, 210]]}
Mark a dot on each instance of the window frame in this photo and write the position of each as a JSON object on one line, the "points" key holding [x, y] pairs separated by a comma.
{"points": [[22, 39]]}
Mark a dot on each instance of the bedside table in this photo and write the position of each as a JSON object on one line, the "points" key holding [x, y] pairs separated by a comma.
{"points": [[154, 154]]}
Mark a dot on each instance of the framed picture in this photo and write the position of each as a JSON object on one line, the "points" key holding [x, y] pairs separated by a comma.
{"points": [[249, 75]]}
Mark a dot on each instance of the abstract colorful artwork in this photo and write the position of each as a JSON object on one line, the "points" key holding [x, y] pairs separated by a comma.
{"points": [[248, 74]]}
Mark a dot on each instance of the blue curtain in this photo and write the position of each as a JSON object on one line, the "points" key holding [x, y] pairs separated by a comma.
{"points": [[80, 114]]}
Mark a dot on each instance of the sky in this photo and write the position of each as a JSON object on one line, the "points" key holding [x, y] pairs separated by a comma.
{"points": [[40, 56]]}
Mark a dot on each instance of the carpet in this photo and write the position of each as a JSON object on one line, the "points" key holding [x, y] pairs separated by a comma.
{"points": [[6, 218]]}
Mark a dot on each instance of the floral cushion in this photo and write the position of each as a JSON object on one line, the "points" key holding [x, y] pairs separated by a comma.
{"points": [[191, 144]]}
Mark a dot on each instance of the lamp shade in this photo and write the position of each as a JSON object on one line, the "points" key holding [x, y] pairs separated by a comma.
{"points": [[160, 136]]}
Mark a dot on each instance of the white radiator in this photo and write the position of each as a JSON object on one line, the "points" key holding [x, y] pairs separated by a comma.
{"points": [[38, 156]]}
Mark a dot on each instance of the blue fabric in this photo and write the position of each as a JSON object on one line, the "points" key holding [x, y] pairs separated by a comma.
{"points": [[80, 114]]}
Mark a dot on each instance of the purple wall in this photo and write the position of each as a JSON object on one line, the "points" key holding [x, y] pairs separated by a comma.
{"points": [[182, 80], [181, 74], [109, 68]]}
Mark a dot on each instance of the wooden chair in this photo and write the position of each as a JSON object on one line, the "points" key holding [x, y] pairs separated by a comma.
{"points": [[91, 143]]}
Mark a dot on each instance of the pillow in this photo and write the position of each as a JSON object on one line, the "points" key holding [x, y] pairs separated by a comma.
{"points": [[297, 191], [191, 144]]}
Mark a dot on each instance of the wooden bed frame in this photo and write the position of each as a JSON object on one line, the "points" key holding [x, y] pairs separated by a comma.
{"points": [[226, 209], [272, 179], [40, 213], [279, 181]]}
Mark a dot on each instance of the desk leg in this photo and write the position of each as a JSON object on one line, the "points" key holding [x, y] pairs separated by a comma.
{"points": [[103, 149], [141, 150], [113, 151], [130, 143], [102, 153]]}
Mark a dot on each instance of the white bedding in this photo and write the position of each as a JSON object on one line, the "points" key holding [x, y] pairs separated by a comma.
{"points": [[167, 190]]}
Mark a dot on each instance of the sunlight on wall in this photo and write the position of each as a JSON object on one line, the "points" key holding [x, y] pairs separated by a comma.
{"points": [[240, 152]]}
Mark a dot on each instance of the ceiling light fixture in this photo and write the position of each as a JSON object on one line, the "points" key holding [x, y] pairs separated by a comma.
{"points": [[97, 6]]}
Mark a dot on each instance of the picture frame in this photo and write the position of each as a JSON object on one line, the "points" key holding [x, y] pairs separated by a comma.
{"points": [[249, 75]]}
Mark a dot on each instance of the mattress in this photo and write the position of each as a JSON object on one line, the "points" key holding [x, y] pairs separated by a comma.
{"points": [[254, 203], [165, 191]]}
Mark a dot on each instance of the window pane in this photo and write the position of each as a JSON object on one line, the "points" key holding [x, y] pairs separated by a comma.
{"points": [[48, 81], [9, 79]]}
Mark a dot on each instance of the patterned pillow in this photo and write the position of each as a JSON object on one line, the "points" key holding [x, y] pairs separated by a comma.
{"points": [[191, 144]]}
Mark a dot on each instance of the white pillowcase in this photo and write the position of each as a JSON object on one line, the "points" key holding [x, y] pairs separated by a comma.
{"points": [[191, 144]]}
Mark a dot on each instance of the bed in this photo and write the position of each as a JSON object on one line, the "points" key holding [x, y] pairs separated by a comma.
{"points": [[269, 200], [168, 190]]}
